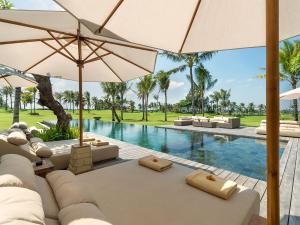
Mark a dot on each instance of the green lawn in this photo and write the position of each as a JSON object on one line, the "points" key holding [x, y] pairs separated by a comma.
{"points": [[155, 118]]}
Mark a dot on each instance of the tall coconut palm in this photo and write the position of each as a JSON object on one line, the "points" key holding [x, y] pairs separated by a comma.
{"points": [[17, 104], [149, 85], [163, 79], [68, 98], [87, 97], [59, 96], [95, 102], [7, 91], [261, 108], [111, 89], [156, 98], [33, 90], [224, 97], [123, 88], [251, 108], [141, 95], [216, 98], [289, 57], [189, 61], [204, 82]]}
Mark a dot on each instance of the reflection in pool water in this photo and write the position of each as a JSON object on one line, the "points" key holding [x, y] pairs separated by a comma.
{"points": [[241, 155]]}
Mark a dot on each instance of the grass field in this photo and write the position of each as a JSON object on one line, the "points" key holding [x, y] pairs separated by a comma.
{"points": [[155, 118]]}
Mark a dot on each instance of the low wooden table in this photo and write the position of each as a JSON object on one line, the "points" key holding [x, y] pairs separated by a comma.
{"points": [[43, 169]]}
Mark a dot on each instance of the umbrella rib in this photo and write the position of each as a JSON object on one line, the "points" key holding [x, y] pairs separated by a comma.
{"points": [[121, 57], [42, 60], [110, 15], [96, 58], [190, 25], [93, 51], [50, 46], [34, 27], [61, 45], [7, 82], [31, 40]]}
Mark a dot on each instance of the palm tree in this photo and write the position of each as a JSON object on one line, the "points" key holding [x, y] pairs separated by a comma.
{"points": [[33, 90], [59, 96], [189, 62], [87, 98], [111, 89], [68, 98], [7, 91], [156, 98], [141, 94], [216, 98], [224, 96], [232, 107], [204, 82], [251, 108], [95, 101], [149, 83], [289, 57], [261, 108], [17, 104], [163, 79], [241, 108], [123, 88], [4, 4]]}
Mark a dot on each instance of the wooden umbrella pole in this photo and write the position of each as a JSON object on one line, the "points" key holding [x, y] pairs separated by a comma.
{"points": [[272, 43], [80, 67]]}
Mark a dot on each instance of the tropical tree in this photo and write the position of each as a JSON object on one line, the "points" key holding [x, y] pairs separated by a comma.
{"points": [[132, 106], [156, 98], [261, 108], [204, 82], [149, 84], [163, 79], [59, 96], [289, 57], [241, 108], [216, 98], [251, 108], [87, 98], [232, 107], [141, 95], [123, 88], [17, 105], [95, 102], [7, 91], [5, 4], [111, 89], [189, 61], [26, 98], [33, 90], [68, 98], [224, 97]]}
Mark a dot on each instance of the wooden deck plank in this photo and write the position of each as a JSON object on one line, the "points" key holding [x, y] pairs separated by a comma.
{"points": [[251, 182]]}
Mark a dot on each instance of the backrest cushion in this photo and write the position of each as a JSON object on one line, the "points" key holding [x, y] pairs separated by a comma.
{"points": [[82, 214], [17, 138], [41, 150], [67, 189], [20, 206], [17, 171]]}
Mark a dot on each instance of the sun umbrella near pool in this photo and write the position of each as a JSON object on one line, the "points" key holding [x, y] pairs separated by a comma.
{"points": [[17, 81], [54, 43], [292, 94]]}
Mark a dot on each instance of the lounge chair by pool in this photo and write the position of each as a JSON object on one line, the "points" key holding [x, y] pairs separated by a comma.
{"points": [[287, 128]]}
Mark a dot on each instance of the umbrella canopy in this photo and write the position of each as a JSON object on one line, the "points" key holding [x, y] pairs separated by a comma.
{"points": [[16, 81], [46, 43], [57, 44], [187, 26], [292, 94]]}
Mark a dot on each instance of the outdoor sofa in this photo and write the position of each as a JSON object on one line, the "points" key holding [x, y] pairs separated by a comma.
{"points": [[187, 120], [123, 194], [287, 128], [60, 152], [226, 122]]}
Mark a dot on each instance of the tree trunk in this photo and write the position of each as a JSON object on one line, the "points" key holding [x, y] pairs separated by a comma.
{"points": [[202, 103], [11, 102], [143, 106], [192, 91], [295, 102], [122, 107], [16, 117], [47, 100], [166, 103], [6, 100], [146, 107], [113, 109], [34, 102]]}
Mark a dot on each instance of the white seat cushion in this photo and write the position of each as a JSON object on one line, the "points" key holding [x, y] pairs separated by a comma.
{"points": [[17, 138]]}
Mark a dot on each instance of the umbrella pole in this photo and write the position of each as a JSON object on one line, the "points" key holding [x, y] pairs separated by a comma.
{"points": [[80, 67], [272, 83]]}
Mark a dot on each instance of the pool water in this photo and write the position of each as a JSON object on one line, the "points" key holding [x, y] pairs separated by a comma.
{"points": [[245, 156]]}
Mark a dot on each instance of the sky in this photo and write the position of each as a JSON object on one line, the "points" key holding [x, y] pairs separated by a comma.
{"points": [[235, 70]]}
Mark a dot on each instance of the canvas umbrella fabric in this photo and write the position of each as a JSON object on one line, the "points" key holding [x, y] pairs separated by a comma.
{"points": [[10, 77], [207, 25], [54, 43], [292, 94]]}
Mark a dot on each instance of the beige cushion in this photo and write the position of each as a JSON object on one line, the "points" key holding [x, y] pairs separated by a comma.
{"points": [[49, 203], [20, 205], [17, 171], [35, 139], [17, 138], [67, 189], [41, 150], [82, 214]]}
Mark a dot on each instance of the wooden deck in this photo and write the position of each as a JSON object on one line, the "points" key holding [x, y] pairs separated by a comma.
{"points": [[289, 176]]}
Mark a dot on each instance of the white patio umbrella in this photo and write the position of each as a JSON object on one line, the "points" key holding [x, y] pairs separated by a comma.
{"points": [[57, 44], [292, 94], [17, 81], [206, 25]]}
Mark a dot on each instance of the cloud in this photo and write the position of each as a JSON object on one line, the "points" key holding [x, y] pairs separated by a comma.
{"points": [[230, 81], [175, 84]]}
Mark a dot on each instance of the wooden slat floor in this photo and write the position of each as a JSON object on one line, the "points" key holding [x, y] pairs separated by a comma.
{"points": [[289, 175]]}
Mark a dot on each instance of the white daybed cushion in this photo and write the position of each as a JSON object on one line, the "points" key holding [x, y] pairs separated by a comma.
{"points": [[17, 171], [82, 214], [130, 194], [17, 138], [50, 221], [20, 206], [68, 190], [49, 203], [41, 150]]}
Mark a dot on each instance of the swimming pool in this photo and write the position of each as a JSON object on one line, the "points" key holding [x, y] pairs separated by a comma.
{"points": [[246, 156]]}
